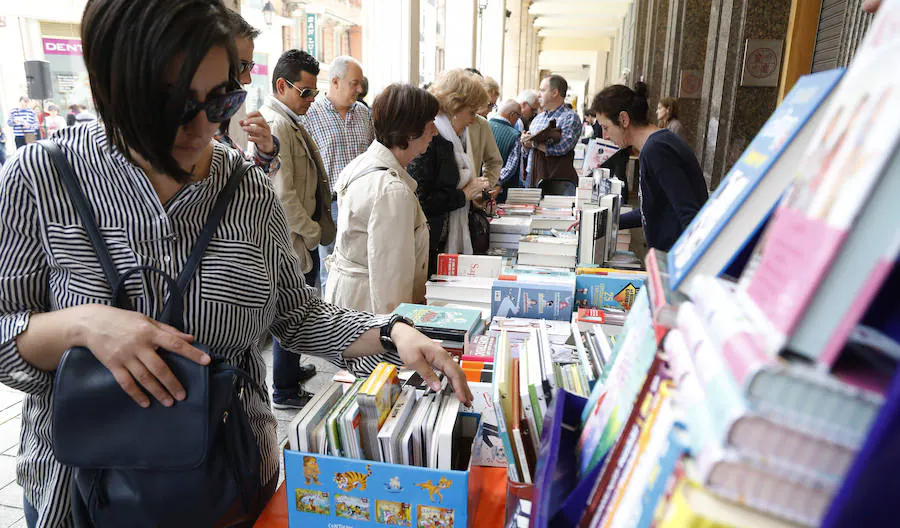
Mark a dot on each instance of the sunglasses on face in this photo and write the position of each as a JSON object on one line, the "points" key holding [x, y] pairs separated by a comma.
{"points": [[218, 108], [304, 92], [246, 66]]}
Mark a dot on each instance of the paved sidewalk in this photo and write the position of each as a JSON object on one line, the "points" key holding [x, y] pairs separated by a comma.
{"points": [[11, 512]]}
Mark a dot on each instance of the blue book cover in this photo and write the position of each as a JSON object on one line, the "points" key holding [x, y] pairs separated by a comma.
{"points": [[532, 300], [607, 291], [773, 139], [454, 320]]}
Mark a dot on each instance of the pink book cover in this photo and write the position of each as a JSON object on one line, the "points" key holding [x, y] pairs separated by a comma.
{"points": [[832, 185]]}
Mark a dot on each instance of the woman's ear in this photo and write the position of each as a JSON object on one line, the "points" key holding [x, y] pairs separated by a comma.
{"points": [[624, 119]]}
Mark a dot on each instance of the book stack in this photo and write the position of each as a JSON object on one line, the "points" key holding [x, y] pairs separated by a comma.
{"points": [[453, 328], [550, 251], [523, 196], [507, 230], [471, 293], [469, 265], [559, 218], [508, 209], [584, 192]]}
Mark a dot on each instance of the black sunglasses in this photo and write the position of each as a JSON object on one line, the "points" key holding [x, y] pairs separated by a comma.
{"points": [[246, 66], [304, 92], [218, 108]]}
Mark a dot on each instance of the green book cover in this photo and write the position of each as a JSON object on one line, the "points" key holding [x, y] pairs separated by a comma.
{"points": [[458, 320]]}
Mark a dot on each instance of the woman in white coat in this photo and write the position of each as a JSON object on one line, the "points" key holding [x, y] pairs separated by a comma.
{"points": [[380, 256]]}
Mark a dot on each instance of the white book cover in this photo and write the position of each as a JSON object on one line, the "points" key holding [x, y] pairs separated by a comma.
{"points": [[349, 423], [407, 445], [389, 432], [469, 265], [556, 261], [318, 409], [520, 225], [464, 289], [444, 445]]}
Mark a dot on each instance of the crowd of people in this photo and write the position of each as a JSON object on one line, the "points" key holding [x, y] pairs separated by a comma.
{"points": [[340, 220]]}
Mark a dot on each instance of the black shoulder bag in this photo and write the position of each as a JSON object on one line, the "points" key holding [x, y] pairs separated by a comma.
{"points": [[186, 465]]}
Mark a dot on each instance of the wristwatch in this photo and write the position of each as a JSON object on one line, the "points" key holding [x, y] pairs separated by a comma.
{"points": [[386, 340]]}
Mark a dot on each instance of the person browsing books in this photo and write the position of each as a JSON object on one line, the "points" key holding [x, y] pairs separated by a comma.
{"points": [[152, 178], [446, 176], [672, 188], [380, 258]]}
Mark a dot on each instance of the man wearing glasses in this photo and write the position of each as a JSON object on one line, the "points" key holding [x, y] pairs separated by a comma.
{"points": [[302, 186]]}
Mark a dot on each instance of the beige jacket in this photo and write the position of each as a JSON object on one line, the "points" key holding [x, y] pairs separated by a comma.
{"points": [[483, 151], [380, 258], [301, 177]]}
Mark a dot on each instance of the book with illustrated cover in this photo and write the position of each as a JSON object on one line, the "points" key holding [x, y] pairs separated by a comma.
{"points": [[332, 421], [376, 397], [389, 434], [740, 205], [440, 322], [481, 349], [692, 505], [834, 186], [607, 291], [532, 300]]}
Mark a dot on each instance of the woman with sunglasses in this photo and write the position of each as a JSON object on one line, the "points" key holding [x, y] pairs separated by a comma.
{"points": [[151, 178]]}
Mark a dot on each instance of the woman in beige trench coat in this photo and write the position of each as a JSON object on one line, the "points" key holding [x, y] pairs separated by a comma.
{"points": [[380, 256]]}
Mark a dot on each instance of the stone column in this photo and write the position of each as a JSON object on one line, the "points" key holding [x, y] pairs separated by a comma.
{"points": [[510, 82], [731, 115], [691, 28]]}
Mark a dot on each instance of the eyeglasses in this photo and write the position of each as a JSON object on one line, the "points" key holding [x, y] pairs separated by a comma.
{"points": [[304, 92], [218, 108], [246, 66]]}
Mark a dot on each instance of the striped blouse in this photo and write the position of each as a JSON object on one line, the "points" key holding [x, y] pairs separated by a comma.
{"points": [[249, 281]]}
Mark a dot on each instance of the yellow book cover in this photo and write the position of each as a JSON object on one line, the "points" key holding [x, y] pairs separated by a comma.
{"points": [[694, 507]]}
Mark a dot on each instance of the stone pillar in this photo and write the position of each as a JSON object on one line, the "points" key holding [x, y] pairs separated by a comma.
{"points": [[688, 52], [655, 50], [731, 115], [510, 82], [641, 29]]}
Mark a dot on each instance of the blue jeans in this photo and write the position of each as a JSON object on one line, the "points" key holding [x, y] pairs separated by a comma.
{"points": [[31, 515], [324, 251]]}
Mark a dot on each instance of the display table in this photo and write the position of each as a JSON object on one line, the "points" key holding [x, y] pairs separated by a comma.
{"points": [[491, 485]]}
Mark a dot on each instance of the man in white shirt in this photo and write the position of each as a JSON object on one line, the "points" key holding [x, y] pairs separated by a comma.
{"points": [[341, 127]]}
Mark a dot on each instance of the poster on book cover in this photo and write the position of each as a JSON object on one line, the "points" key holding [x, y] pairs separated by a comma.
{"points": [[773, 139], [834, 180]]}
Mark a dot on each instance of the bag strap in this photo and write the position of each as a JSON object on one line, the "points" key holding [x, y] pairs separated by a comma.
{"points": [[173, 314], [358, 176], [86, 214], [173, 310]]}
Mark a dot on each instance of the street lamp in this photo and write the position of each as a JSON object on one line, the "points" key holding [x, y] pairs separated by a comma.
{"points": [[268, 11]]}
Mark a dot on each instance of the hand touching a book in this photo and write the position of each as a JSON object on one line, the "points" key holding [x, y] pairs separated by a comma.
{"points": [[424, 355]]}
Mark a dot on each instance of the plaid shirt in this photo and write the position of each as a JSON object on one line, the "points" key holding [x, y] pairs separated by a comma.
{"points": [[339, 140], [269, 164], [567, 121]]}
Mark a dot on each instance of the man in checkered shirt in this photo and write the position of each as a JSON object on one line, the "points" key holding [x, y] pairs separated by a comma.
{"points": [[342, 129]]}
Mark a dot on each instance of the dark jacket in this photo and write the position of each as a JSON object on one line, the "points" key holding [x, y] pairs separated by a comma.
{"points": [[672, 190], [505, 135], [437, 176]]}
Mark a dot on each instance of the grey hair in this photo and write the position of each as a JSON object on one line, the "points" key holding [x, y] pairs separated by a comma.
{"points": [[340, 65], [528, 96], [510, 105]]}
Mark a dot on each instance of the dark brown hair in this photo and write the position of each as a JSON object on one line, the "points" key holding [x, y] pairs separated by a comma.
{"points": [[670, 104], [401, 112], [129, 48], [615, 99]]}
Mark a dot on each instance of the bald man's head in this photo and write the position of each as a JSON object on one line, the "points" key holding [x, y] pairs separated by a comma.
{"points": [[510, 110]]}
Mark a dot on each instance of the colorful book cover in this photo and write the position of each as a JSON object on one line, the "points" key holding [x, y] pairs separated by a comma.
{"points": [[607, 291], [833, 183], [532, 300], [773, 139], [481, 349], [456, 320]]}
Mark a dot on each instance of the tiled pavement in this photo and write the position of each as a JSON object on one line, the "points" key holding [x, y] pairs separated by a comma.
{"points": [[11, 513]]}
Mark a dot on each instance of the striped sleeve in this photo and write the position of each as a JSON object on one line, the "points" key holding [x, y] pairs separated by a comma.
{"points": [[23, 279], [302, 317]]}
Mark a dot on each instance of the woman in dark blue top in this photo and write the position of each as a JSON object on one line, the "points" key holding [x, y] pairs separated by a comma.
{"points": [[672, 188]]}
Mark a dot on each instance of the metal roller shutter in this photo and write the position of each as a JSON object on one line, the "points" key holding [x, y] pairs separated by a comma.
{"points": [[842, 26]]}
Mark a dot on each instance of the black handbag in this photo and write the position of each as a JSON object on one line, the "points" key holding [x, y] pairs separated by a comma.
{"points": [[480, 225], [186, 465]]}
